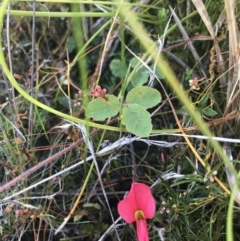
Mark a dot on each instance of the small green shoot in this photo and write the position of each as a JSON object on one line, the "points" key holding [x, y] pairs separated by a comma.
{"points": [[134, 114]]}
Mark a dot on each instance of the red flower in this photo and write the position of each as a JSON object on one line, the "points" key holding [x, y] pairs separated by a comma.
{"points": [[138, 206]]}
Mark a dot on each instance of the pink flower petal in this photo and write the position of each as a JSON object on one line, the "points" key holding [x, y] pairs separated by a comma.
{"points": [[142, 230], [144, 199], [139, 198], [127, 208]]}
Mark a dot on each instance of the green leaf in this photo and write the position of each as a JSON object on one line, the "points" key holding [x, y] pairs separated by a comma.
{"points": [[92, 205], [141, 73], [100, 109], [203, 101], [116, 68], [134, 62], [209, 112], [71, 44], [140, 77], [144, 96], [137, 120], [65, 101], [158, 72], [79, 214]]}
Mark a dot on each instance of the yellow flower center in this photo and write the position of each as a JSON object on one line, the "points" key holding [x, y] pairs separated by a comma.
{"points": [[139, 215]]}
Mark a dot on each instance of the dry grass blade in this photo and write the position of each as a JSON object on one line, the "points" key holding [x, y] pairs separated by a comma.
{"points": [[234, 43], [220, 21], [189, 43], [199, 5]]}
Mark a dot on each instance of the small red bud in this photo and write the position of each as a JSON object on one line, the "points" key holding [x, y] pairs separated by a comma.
{"points": [[98, 88], [18, 212], [104, 91]]}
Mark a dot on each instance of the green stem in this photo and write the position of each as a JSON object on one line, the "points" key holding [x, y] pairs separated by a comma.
{"points": [[58, 14]]}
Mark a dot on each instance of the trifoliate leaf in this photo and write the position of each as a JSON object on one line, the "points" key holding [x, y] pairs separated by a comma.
{"points": [[137, 120], [144, 96], [100, 109]]}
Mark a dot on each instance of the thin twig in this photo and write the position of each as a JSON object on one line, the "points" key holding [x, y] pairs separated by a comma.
{"points": [[134, 167], [11, 95], [30, 120]]}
